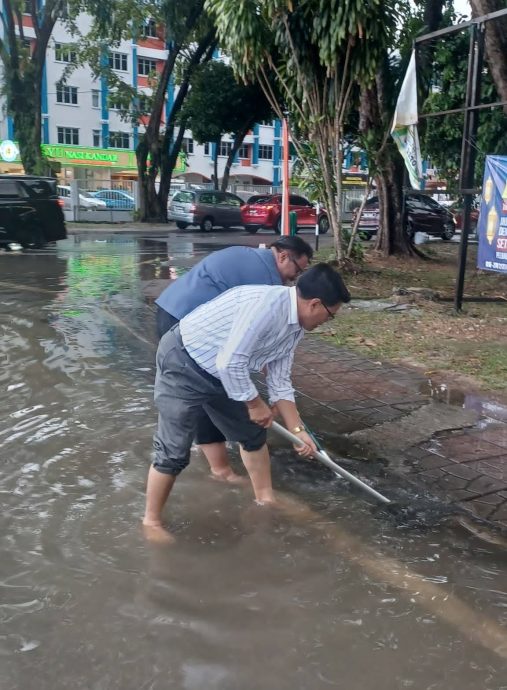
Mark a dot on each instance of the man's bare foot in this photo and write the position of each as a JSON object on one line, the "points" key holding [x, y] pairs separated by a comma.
{"points": [[157, 533], [229, 476]]}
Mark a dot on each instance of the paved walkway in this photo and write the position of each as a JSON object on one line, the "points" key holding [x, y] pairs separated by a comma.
{"points": [[451, 443]]}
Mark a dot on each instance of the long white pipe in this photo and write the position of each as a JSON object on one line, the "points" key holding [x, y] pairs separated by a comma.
{"points": [[326, 460]]}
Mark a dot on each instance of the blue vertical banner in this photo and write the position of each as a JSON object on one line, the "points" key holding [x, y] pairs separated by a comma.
{"points": [[492, 225]]}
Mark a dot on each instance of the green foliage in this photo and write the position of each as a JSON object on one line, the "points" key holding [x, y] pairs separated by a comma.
{"points": [[450, 76], [316, 52], [217, 104], [307, 172]]}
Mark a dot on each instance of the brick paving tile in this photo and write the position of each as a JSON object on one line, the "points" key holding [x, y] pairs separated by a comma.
{"points": [[426, 462], [483, 510], [344, 405], [496, 434], [408, 407], [463, 449], [432, 475], [495, 467], [485, 485], [500, 515], [340, 391], [462, 472]]}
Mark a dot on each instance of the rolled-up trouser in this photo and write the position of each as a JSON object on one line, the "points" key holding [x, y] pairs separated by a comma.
{"points": [[205, 430], [182, 390]]}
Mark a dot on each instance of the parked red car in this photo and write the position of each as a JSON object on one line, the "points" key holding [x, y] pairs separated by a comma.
{"points": [[457, 210], [266, 212]]}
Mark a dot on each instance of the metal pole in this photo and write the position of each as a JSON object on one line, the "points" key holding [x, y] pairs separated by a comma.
{"points": [[468, 150], [325, 460], [285, 188], [317, 212]]}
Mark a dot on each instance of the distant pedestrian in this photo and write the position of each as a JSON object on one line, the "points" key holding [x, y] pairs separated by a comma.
{"points": [[282, 263], [205, 363]]}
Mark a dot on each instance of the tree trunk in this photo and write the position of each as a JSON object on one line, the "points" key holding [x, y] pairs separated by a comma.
{"points": [[170, 148], [168, 164], [215, 165], [238, 140], [392, 237], [23, 80], [495, 44], [388, 166]]}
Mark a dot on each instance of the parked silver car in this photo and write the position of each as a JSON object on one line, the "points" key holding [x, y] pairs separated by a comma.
{"points": [[86, 199], [205, 208]]}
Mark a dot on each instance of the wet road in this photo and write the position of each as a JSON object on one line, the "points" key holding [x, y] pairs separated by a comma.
{"points": [[327, 595]]}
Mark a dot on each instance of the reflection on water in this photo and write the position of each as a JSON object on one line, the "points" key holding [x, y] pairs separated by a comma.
{"points": [[323, 596], [491, 410]]}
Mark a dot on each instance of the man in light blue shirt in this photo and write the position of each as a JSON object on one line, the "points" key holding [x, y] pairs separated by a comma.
{"points": [[285, 259], [206, 362]]}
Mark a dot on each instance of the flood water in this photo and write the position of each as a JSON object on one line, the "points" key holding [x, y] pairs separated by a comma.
{"points": [[328, 594]]}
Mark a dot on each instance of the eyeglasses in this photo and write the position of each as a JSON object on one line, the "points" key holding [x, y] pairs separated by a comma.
{"points": [[300, 269], [331, 315]]}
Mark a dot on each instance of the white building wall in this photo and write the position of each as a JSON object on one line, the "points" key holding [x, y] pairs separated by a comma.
{"points": [[87, 118]]}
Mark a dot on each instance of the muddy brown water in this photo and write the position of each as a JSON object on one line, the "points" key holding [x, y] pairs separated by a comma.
{"points": [[329, 596]]}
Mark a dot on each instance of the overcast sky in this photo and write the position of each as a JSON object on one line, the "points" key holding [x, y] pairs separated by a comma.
{"points": [[462, 6]]}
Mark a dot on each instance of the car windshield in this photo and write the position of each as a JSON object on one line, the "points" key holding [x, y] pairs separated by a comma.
{"points": [[184, 197], [261, 200], [87, 195]]}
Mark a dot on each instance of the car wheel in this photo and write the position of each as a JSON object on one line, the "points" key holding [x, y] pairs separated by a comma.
{"points": [[448, 232], [253, 230], [33, 238], [410, 231], [278, 226], [207, 224], [181, 225], [323, 225]]}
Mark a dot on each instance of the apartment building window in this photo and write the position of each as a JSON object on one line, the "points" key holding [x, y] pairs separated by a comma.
{"points": [[68, 135], [244, 151], [145, 66], [66, 94], [95, 98], [119, 140], [187, 145], [114, 102], [225, 148], [150, 29], [144, 104], [265, 152], [207, 149], [64, 53], [96, 137], [27, 7], [118, 61]]}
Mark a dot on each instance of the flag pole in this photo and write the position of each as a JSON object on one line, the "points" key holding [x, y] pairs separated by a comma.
{"points": [[285, 180]]}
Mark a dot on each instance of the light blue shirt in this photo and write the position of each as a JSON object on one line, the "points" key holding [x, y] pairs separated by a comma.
{"points": [[243, 330], [217, 273]]}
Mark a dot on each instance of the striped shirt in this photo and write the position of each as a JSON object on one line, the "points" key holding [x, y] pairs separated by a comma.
{"points": [[246, 329]]}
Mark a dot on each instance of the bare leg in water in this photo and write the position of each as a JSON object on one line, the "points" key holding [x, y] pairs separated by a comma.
{"points": [[158, 488], [218, 459], [258, 466]]}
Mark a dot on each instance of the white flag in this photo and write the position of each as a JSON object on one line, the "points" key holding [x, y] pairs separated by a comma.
{"points": [[404, 130]]}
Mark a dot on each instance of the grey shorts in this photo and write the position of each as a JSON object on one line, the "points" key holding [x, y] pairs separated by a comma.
{"points": [[182, 391]]}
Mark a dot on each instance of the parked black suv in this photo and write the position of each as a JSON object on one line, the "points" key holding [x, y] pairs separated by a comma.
{"points": [[424, 215], [30, 211]]}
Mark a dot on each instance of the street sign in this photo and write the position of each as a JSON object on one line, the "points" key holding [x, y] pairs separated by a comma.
{"points": [[492, 225]]}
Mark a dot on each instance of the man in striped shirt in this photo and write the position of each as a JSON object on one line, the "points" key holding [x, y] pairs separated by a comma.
{"points": [[280, 264], [205, 363]]}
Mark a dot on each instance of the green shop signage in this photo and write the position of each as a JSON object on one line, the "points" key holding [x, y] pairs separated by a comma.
{"points": [[91, 157], [81, 155]]}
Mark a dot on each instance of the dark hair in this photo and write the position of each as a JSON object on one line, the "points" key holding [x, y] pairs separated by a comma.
{"points": [[324, 283], [292, 243]]}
